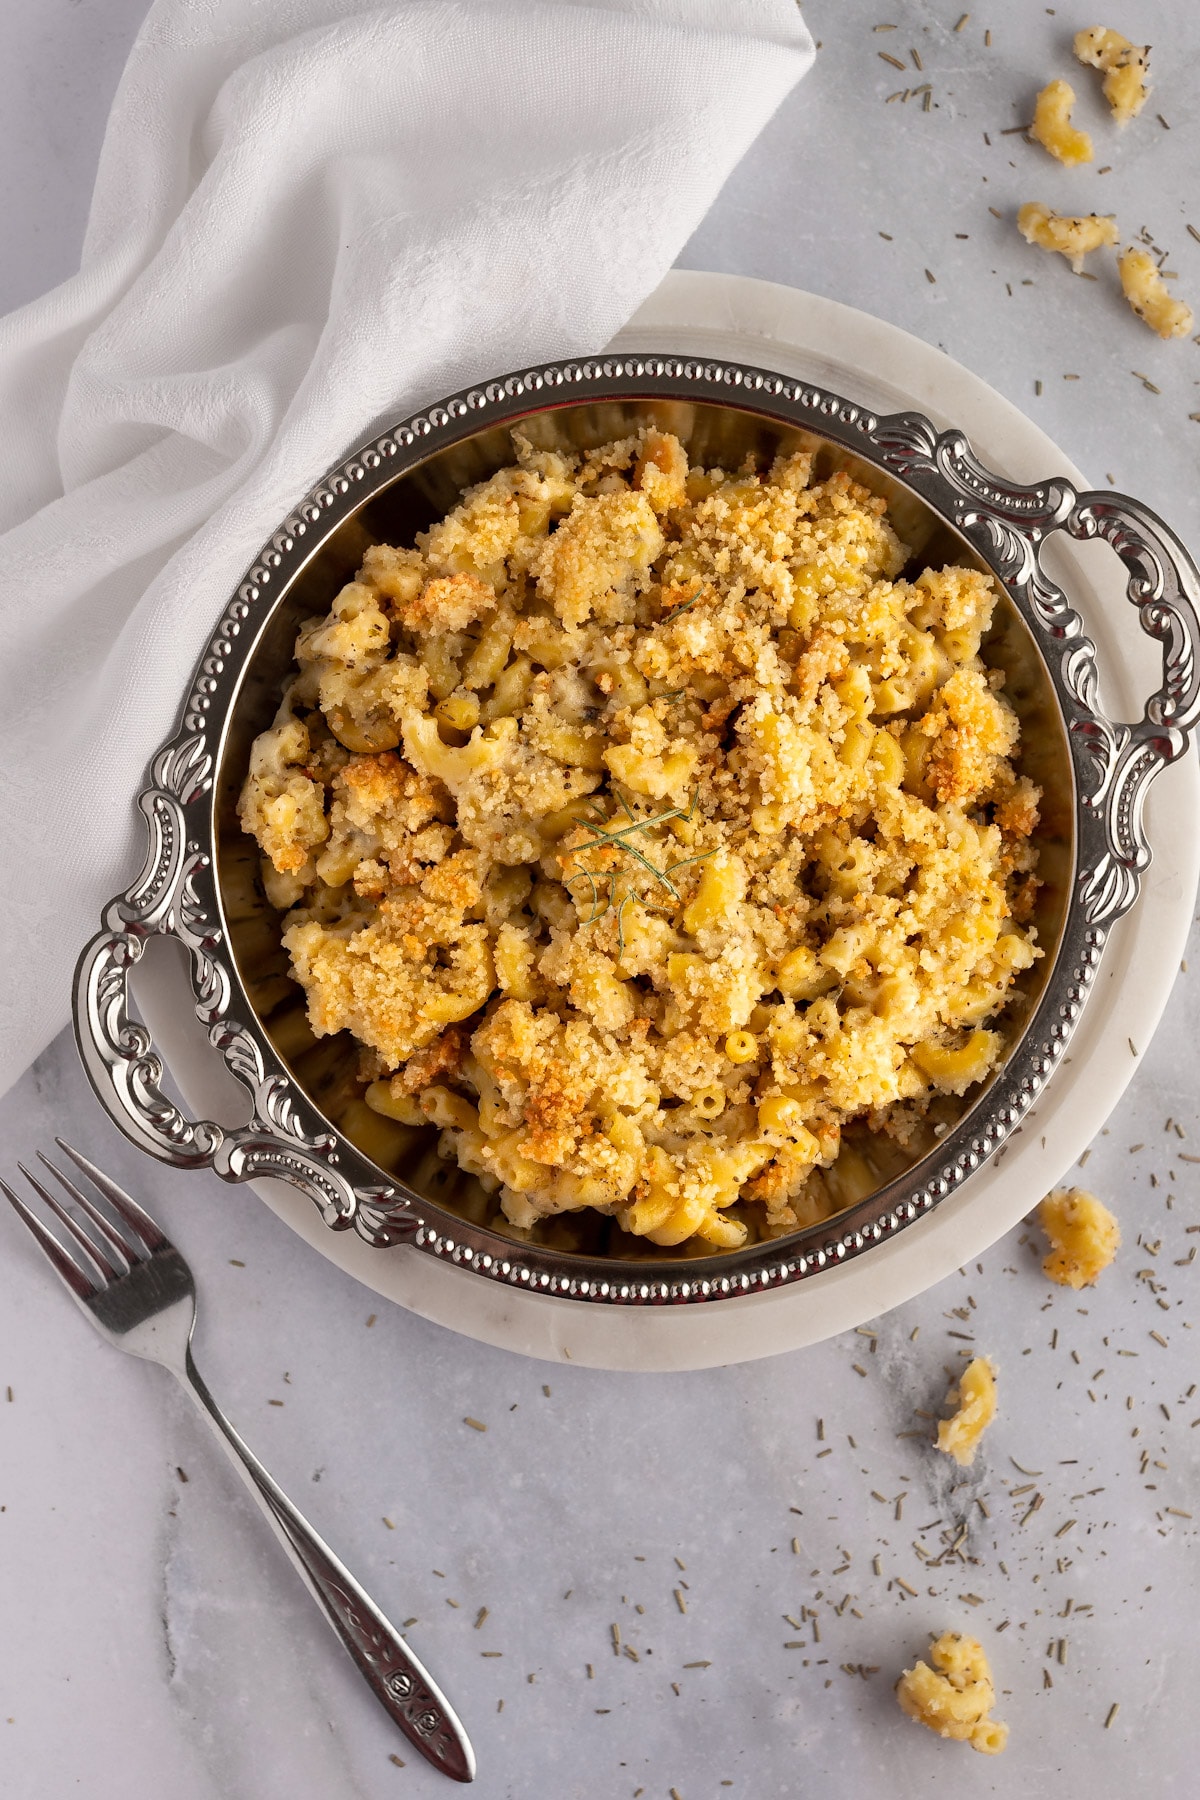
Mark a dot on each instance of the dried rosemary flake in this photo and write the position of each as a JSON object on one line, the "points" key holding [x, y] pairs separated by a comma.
{"points": [[930, 276], [917, 63], [680, 1602], [480, 1616], [1113, 1710], [698, 1665], [894, 60], [963, 21]]}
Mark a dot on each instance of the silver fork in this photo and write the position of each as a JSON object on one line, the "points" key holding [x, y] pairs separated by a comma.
{"points": [[139, 1294]]}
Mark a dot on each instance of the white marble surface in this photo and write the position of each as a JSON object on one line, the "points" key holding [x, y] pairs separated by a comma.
{"points": [[154, 1642]]}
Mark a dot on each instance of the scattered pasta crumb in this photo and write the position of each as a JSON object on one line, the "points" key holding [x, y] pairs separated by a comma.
{"points": [[956, 1696], [1072, 237], [1146, 292], [1084, 1237], [974, 1396], [1125, 66], [1052, 125]]}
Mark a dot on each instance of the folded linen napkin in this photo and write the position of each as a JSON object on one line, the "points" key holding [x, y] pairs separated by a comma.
{"points": [[310, 217]]}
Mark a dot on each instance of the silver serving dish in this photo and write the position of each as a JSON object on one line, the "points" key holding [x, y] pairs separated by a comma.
{"points": [[308, 1124]]}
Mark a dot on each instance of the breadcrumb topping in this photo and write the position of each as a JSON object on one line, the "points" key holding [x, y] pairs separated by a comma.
{"points": [[650, 828]]}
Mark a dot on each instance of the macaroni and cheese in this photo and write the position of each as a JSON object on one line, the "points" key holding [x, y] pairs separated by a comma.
{"points": [[647, 826], [956, 1696], [973, 1397], [1084, 1237]]}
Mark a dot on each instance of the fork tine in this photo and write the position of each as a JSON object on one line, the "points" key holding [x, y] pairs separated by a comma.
{"points": [[80, 1283], [118, 1199], [84, 1239], [132, 1250]]}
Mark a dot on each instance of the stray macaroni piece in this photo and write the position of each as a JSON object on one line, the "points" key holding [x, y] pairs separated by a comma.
{"points": [[956, 1696], [1147, 293], [1052, 125], [974, 1396], [1125, 66], [647, 826], [1084, 1237], [1072, 237]]}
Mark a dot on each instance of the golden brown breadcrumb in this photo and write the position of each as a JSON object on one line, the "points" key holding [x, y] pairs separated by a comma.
{"points": [[649, 826]]}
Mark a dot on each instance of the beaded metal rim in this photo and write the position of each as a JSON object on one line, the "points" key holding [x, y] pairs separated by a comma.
{"points": [[1112, 763]]}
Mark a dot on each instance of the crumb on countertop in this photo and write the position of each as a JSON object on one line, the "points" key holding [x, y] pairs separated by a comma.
{"points": [[1072, 236], [1125, 67], [974, 1397], [956, 1696], [1052, 127], [1084, 1237]]}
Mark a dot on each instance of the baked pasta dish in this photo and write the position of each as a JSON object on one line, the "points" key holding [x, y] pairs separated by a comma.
{"points": [[649, 830]]}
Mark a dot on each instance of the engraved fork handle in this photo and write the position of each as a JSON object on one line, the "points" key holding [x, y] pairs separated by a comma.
{"points": [[395, 1676]]}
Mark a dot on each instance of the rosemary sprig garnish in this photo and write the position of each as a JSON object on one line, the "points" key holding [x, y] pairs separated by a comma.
{"points": [[619, 840], [676, 610]]}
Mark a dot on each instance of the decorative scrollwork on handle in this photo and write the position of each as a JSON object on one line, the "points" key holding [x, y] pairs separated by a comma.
{"points": [[1011, 523], [173, 896]]}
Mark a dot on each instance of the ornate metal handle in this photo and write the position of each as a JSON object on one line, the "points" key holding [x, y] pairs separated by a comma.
{"points": [[1116, 762], [1164, 584], [395, 1676], [174, 895]]}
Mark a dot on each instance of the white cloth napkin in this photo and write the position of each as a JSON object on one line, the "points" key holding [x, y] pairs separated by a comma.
{"points": [[310, 217]]}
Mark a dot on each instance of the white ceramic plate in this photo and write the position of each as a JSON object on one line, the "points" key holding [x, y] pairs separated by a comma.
{"points": [[873, 362]]}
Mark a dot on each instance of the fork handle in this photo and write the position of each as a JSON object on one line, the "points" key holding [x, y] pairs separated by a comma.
{"points": [[395, 1676]]}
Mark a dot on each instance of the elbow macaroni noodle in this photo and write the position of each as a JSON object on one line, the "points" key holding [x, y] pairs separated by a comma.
{"points": [[648, 828]]}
